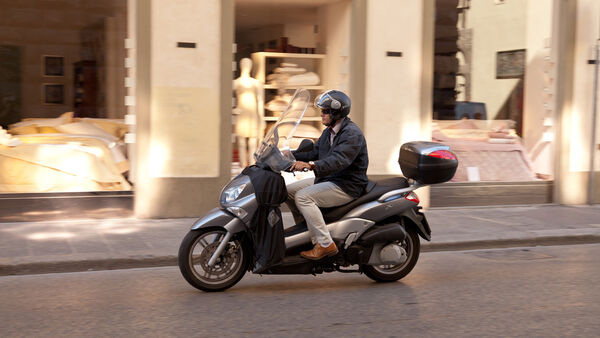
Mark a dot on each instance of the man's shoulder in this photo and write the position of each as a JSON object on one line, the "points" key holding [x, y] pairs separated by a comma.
{"points": [[351, 127]]}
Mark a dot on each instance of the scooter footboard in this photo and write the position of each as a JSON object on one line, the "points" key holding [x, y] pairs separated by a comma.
{"points": [[292, 265]]}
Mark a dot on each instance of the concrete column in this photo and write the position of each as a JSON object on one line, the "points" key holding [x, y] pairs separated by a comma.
{"points": [[395, 86], [575, 32], [183, 105], [398, 90]]}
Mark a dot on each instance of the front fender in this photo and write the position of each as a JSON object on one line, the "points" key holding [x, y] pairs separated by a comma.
{"points": [[221, 219]]}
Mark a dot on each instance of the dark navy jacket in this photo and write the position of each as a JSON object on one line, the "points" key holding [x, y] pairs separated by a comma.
{"points": [[344, 163]]}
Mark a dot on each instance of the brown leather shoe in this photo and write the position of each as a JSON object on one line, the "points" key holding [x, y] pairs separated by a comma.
{"points": [[319, 252]]}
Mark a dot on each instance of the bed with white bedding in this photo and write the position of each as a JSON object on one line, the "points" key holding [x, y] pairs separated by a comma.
{"points": [[64, 155], [487, 150]]}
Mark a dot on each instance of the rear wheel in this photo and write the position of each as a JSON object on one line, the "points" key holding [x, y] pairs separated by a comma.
{"points": [[392, 273], [195, 252]]}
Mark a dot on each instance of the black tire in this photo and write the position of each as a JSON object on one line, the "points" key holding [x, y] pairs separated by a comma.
{"points": [[195, 252], [392, 273]]}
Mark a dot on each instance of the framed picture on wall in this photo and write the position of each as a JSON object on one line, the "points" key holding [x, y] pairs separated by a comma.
{"points": [[53, 93], [510, 64], [53, 65]]}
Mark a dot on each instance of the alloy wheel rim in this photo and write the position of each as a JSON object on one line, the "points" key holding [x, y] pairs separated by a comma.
{"points": [[227, 265]]}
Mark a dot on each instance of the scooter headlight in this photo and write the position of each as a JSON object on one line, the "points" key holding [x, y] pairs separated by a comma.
{"points": [[231, 194]]}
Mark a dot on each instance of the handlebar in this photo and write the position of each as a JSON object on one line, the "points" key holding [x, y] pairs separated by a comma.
{"points": [[289, 170]]}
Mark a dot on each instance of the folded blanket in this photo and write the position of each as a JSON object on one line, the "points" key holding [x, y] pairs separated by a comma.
{"points": [[289, 70], [306, 79]]}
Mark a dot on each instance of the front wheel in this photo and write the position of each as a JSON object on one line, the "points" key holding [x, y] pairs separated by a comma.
{"points": [[196, 250], [392, 273]]}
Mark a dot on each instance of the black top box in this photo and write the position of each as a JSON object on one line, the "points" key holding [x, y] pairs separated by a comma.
{"points": [[427, 162]]}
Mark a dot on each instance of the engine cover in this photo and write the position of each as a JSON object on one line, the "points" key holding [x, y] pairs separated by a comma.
{"points": [[392, 254]]}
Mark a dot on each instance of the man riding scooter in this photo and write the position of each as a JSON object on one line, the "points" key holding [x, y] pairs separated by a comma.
{"points": [[376, 234], [339, 160]]}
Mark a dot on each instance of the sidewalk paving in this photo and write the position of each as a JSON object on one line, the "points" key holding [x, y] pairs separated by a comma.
{"points": [[100, 244]]}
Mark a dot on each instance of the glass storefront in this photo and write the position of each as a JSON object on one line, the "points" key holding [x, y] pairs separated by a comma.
{"points": [[67, 81], [62, 96], [493, 88], [284, 46]]}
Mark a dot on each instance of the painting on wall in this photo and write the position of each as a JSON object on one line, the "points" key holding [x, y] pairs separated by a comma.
{"points": [[53, 93], [510, 64], [53, 65]]}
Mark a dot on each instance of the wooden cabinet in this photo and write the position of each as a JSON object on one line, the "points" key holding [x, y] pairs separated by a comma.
{"points": [[85, 89]]}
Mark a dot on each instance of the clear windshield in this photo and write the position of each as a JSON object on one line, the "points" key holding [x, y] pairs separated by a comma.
{"points": [[274, 149]]}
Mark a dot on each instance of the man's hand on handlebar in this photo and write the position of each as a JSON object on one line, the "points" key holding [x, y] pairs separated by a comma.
{"points": [[300, 166]]}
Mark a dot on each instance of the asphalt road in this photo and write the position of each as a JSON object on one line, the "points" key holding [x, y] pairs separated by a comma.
{"points": [[542, 291]]}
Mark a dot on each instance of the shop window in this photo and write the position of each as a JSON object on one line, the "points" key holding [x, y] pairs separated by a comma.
{"points": [[62, 97], [480, 107], [286, 50]]}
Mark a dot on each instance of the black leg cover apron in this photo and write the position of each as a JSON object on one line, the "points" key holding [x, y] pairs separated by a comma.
{"points": [[266, 229]]}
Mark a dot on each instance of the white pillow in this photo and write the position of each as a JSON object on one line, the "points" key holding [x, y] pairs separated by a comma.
{"points": [[85, 128], [43, 122]]}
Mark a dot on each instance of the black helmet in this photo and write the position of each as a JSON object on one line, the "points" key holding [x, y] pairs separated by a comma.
{"points": [[334, 103]]}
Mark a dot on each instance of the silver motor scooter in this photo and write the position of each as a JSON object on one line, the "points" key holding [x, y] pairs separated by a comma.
{"points": [[376, 234]]}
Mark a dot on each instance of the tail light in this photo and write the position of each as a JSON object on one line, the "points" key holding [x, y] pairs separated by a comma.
{"points": [[445, 154], [412, 197]]}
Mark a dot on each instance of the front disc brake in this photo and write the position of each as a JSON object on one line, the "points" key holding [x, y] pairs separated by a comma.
{"points": [[224, 262]]}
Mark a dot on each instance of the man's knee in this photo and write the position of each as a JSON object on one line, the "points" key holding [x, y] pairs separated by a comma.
{"points": [[304, 197]]}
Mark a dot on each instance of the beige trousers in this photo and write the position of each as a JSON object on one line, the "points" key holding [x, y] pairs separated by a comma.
{"points": [[305, 198]]}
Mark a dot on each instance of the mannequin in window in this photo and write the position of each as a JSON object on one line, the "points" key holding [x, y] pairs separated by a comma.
{"points": [[249, 124]]}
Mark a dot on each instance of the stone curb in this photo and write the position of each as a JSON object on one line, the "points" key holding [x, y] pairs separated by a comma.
{"points": [[171, 260], [510, 243], [86, 265]]}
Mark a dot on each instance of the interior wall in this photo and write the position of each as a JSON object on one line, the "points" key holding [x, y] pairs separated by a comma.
{"points": [[257, 39], [301, 34], [497, 26], [50, 28], [538, 108], [249, 41], [115, 54]]}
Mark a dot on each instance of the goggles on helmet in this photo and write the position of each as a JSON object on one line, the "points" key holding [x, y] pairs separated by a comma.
{"points": [[327, 102]]}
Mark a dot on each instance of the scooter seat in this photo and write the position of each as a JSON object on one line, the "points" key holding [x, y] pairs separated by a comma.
{"points": [[374, 190]]}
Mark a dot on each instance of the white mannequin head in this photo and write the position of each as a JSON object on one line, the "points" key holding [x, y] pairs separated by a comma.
{"points": [[245, 66]]}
